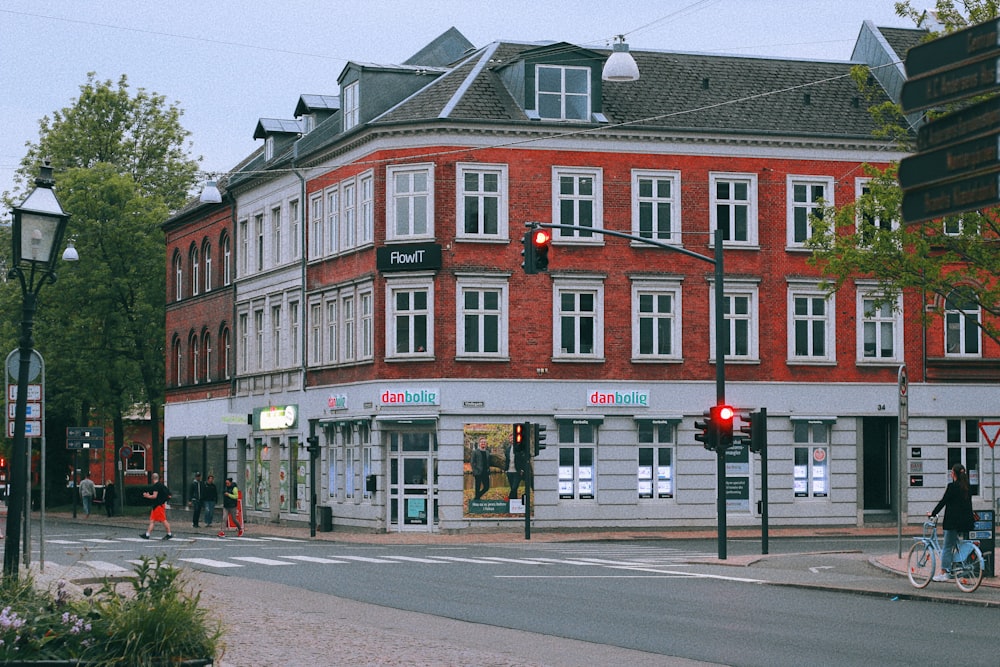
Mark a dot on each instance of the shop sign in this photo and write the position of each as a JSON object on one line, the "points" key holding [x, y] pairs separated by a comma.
{"points": [[408, 257], [275, 417], [411, 397], [337, 402], [628, 399]]}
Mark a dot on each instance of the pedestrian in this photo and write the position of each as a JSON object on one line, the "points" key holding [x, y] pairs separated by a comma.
{"points": [[209, 496], [194, 499], [958, 517], [159, 494], [110, 496], [87, 492], [230, 499]]}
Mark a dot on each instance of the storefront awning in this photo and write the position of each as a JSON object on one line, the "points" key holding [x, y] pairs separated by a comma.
{"points": [[580, 419], [407, 419]]}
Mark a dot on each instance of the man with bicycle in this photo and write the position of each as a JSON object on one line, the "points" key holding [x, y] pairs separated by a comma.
{"points": [[958, 517]]}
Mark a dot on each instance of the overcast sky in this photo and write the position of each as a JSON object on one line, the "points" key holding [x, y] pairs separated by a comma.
{"points": [[228, 63]]}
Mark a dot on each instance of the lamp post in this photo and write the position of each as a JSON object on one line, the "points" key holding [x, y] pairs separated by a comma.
{"points": [[38, 227]]}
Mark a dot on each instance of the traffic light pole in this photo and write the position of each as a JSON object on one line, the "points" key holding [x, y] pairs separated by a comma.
{"points": [[720, 347]]}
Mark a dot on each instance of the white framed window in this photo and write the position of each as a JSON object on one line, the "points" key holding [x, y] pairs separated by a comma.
{"points": [[562, 93], [332, 329], [811, 324], [227, 350], [410, 202], [577, 200], [227, 260], [963, 447], [656, 207], [258, 235], [811, 463], [409, 318], [741, 321], [867, 217], [315, 333], [656, 320], [244, 334], [807, 195], [208, 357], [367, 218], [294, 327], [178, 363], [350, 102], [482, 201], [348, 202], [332, 220], [349, 320], [206, 252], [962, 332], [276, 341], [294, 228], [481, 320], [316, 227], [733, 207], [276, 231], [194, 263], [578, 320], [880, 326], [244, 242], [258, 338], [655, 479], [366, 344], [577, 461], [195, 358], [178, 277]]}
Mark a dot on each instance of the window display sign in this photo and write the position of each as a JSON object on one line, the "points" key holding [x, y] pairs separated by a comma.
{"points": [[496, 477], [738, 478]]}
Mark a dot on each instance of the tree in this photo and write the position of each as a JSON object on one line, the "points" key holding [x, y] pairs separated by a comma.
{"points": [[121, 167], [951, 261]]}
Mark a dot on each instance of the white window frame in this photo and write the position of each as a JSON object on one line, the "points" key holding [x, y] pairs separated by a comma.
{"points": [[293, 331], [480, 195], [737, 289], [315, 333], [366, 306], [348, 328], [276, 232], [244, 241], [316, 226], [208, 356], [227, 260], [277, 317], [294, 228], [577, 481], [750, 180], [412, 283], [195, 264], [562, 95], [656, 287], [960, 321], [349, 214], [656, 483], [206, 252], [867, 291], [332, 230], [673, 202], [366, 217], [258, 232], [811, 473], [811, 292], [481, 284], [393, 198], [578, 286], [178, 276], [331, 328], [350, 98], [244, 348], [861, 187], [809, 207], [595, 198]]}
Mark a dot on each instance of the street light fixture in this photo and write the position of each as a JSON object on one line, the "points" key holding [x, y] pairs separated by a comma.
{"points": [[37, 231]]}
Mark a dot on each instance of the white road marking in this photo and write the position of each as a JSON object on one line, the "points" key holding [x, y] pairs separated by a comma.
{"points": [[209, 562], [260, 561]]}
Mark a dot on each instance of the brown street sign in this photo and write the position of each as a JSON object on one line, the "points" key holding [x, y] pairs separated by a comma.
{"points": [[968, 194], [951, 85], [978, 119], [951, 162], [956, 48]]}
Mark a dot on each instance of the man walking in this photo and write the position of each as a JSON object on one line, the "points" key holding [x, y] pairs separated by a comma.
{"points": [[209, 496], [159, 494], [230, 499], [87, 491], [194, 499]]}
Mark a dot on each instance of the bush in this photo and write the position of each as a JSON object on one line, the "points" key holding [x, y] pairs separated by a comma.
{"points": [[154, 623]]}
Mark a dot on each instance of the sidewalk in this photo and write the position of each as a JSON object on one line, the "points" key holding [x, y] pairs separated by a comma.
{"points": [[279, 625]]}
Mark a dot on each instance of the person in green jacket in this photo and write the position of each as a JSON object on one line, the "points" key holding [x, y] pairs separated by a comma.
{"points": [[230, 501]]}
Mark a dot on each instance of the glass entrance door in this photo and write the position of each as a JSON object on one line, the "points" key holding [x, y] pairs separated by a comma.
{"points": [[412, 481]]}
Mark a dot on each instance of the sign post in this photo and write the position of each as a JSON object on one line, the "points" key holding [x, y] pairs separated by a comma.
{"points": [[904, 435], [990, 432]]}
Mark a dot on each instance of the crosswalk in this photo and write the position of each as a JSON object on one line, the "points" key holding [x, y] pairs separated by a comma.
{"points": [[541, 555]]}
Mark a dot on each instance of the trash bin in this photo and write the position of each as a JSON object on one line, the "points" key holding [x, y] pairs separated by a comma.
{"points": [[325, 519]]}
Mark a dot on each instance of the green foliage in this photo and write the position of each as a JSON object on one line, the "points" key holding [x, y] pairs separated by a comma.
{"points": [[936, 258], [154, 622]]}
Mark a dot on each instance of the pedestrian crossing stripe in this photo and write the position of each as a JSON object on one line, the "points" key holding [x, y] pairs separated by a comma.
{"points": [[316, 559], [210, 562], [256, 560]]}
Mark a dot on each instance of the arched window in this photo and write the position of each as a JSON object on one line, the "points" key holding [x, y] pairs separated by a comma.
{"points": [[178, 277], [195, 358], [178, 356], [208, 357], [961, 324], [227, 264], [206, 253], [226, 352], [195, 286]]}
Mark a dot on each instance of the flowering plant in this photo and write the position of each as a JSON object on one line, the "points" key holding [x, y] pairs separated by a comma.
{"points": [[152, 623]]}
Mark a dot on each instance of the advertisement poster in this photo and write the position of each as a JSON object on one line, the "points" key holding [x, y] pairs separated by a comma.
{"points": [[495, 476], [738, 478]]}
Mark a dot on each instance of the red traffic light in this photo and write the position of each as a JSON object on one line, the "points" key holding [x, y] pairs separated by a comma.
{"points": [[726, 412], [541, 238]]}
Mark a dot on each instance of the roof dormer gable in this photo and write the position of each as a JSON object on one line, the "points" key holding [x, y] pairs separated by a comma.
{"points": [[277, 133], [557, 82], [368, 90], [314, 109]]}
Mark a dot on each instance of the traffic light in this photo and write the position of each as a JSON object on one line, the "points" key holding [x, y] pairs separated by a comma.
{"points": [[541, 239], [313, 445], [538, 437], [529, 260], [722, 416], [708, 435], [519, 438], [756, 431]]}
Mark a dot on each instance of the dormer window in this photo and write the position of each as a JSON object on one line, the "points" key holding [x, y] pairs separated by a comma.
{"points": [[351, 104], [563, 93], [268, 148]]}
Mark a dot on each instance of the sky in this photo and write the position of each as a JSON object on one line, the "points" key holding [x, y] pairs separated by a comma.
{"points": [[228, 63]]}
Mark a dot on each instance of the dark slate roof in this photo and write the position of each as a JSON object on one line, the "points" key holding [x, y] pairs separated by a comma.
{"points": [[903, 39], [311, 103], [266, 126], [445, 50]]}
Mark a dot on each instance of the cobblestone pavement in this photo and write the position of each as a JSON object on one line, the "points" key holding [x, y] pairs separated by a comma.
{"points": [[299, 627]]}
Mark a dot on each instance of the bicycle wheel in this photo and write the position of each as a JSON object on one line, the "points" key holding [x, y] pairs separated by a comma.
{"points": [[969, 572], [921, 564]]}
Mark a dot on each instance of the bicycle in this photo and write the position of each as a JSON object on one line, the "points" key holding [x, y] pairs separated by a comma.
{"points": [[921, 562]]}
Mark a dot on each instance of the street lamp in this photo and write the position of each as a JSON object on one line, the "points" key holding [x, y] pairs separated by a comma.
{"points": [[38, 227]]}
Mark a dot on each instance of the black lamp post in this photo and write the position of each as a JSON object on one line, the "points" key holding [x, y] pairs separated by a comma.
{"points": [[38, 227]]}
